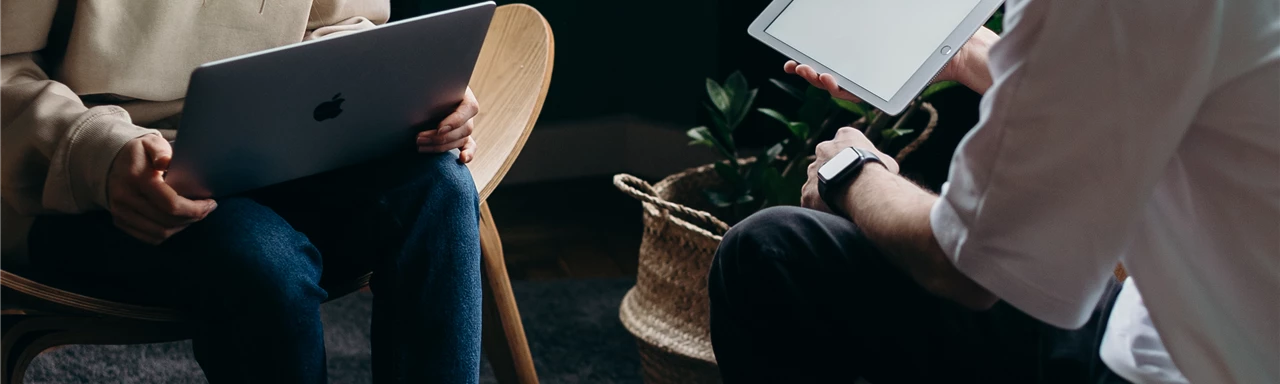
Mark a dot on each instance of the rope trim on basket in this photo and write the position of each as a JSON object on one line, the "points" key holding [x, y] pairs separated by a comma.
{"points": [[924, 135], [643, 191]]}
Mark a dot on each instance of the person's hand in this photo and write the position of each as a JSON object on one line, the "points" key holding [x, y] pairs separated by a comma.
{"points": [[141, 204], [454, 131], [846, 137], [968, 67]]}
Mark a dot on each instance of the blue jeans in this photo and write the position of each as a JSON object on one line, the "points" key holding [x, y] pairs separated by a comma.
{"points": [[251, 275]]}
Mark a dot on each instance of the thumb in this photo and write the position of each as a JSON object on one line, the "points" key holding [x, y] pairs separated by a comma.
{"points": [[159, 153]]}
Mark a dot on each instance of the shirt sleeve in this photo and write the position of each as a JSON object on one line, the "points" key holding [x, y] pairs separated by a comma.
{"points": [[56, 151], [1089, 104]]}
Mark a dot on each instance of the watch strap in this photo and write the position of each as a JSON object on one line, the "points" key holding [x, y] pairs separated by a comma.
{"points": [[828, 189]]}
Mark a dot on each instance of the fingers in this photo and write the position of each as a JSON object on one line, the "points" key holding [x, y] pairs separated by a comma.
{"points": [[141, 205], [159, 152], [170, 206], [463, 115], [439, 140], [809, 74], [848, 133], [823, 81], [468, 151], [829, 83], [140, 227]]}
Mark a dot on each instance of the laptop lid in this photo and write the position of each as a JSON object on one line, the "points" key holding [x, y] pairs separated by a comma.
{"points": [[302, 109]]}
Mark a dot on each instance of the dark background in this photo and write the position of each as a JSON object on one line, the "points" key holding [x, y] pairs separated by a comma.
{"points": [[650, 58]]}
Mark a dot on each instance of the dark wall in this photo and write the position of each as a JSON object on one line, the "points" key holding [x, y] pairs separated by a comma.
{"points": [[645, 58], [650, 58]]}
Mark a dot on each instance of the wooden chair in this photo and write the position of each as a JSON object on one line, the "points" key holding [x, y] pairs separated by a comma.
{"points": [[510, 80]]}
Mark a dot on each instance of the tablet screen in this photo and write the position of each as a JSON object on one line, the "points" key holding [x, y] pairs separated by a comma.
{"points": [[877, 44]]}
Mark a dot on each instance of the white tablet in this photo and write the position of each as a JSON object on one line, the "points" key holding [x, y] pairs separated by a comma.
{"points": [[883, 51]]}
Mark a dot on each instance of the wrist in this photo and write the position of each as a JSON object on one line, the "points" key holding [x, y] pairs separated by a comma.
{"points": [[974, 71], [846, 201]]}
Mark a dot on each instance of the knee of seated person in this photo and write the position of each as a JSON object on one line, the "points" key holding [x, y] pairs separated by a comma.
{"points": [[442, 173], [249, 247], [243, 226], [275, 280], [774, 232]]}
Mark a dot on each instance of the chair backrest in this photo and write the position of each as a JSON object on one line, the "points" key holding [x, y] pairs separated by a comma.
{"points": [[510, 80]]}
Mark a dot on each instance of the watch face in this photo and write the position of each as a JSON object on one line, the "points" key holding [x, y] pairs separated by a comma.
{"points": [[837, 164]]}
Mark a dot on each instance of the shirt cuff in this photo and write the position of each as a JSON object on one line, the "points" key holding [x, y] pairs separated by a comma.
{"points": [[93, 148], [984, 267]]}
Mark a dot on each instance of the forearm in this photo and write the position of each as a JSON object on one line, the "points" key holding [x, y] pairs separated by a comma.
{"points": [[893, 213]]}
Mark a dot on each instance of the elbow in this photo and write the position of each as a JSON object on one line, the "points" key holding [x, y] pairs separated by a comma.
{"points": [[947, 282]]}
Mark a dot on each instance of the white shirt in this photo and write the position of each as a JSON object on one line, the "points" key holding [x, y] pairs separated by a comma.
{"points": [[1139, 131]]}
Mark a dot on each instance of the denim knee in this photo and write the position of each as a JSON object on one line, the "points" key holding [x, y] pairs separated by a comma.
{"points": [[250, 256], [433, 187], [443, 174]]}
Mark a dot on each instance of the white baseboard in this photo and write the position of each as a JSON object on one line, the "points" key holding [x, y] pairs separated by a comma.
{"points": [[603, 147]]}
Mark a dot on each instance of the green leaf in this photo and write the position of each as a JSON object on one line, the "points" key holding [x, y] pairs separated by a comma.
{"points": [[775, 115], [730, 175], [736, 84], [718, 96], [701, 136], [935, 88], [792, 187], [741, 105], [721, 129], [718, 199], [817, 104], [996, 22], [717, 118], [776, 190], [775, 150], [788, 88], [850, 106], [799, 129], [894, 133]]}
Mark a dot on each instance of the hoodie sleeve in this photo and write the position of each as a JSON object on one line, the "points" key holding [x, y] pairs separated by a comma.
{"points": [[55, 151]]}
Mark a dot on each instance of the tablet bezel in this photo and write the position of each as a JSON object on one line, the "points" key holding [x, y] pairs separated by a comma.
{"points": [[918, 80]]}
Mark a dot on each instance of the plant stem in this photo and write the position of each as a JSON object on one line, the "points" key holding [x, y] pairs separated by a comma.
{"points": [[877, 124], [911, 110]]}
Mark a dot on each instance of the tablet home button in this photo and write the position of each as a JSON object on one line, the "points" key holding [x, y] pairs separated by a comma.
{"points": [[946, 49]]}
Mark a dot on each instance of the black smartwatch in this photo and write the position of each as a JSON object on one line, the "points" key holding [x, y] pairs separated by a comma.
{"points": [[840, 171]]}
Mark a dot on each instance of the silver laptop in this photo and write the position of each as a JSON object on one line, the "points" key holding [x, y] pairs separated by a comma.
{"points": [[280, 114]]}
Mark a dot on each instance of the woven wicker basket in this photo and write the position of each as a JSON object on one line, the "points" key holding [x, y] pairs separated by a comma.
{"points": [[668, 309]]}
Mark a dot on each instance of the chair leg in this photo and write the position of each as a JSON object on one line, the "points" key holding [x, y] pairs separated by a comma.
{"points": [[25, 336], [504, 340]]}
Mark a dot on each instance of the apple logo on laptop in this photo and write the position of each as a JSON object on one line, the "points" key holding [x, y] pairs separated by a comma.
{"points": [[329, 109]]}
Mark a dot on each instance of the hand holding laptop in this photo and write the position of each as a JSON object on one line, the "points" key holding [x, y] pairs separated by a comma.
{"points": [[454, 131], [967, 67], [141, 203]]}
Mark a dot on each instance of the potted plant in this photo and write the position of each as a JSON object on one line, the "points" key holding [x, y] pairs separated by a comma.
{"points": [[686, 214]]}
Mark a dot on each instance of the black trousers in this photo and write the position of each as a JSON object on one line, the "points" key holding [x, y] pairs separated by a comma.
{"points": [[801, 296]]}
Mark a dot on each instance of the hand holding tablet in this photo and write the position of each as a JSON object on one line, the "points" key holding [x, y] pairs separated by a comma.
{"points": [[968, 67], [881, 51]]}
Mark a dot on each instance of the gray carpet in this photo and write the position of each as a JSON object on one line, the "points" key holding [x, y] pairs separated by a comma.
{"points": [[572, 326]]}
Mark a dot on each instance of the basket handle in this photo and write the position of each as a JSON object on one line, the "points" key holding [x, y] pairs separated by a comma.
{"points": [[643, 191]]}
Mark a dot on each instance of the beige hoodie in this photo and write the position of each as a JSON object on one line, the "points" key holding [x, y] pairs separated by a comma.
{"points": [[80, 78]]}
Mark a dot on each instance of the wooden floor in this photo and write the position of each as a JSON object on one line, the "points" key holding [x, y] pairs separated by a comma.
{"points": [[580, 228]]}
